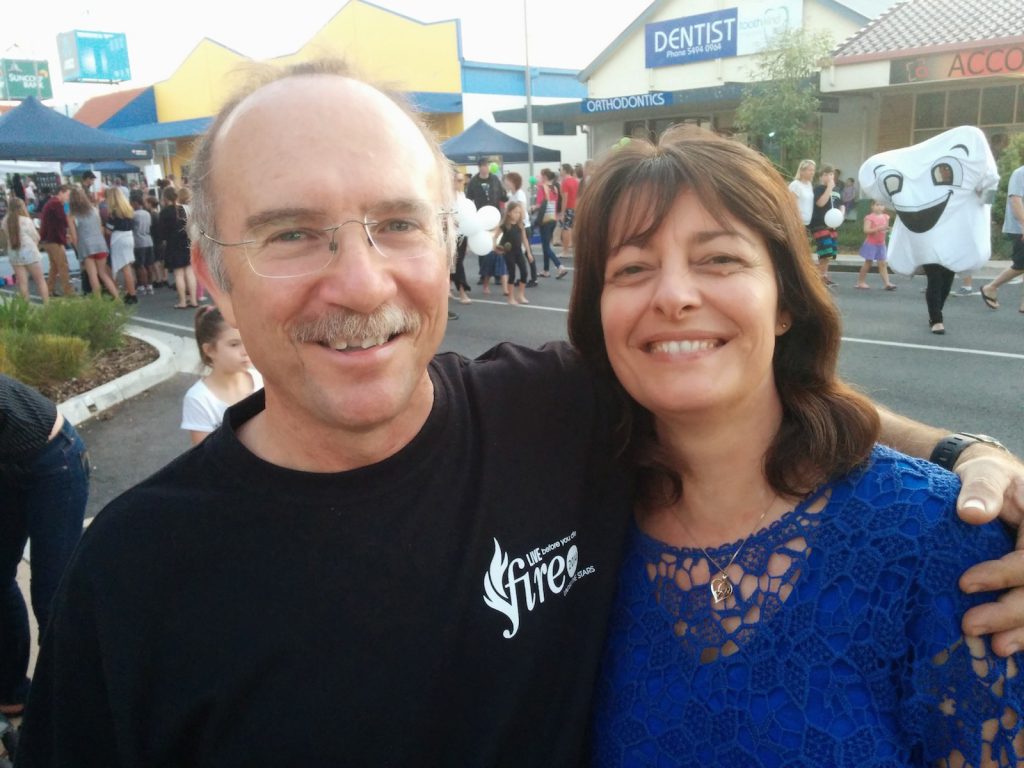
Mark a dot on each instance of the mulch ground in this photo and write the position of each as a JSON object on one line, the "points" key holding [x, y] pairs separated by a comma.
{"points": [[131, 355]]}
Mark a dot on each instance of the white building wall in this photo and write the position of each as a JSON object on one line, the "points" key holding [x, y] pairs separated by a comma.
{"points": [[851, 77], [845, 135], [624, 73], [477, 106]]}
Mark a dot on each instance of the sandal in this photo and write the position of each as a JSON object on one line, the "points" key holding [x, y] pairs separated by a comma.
{"points": [[990, 301], [180, 306]]}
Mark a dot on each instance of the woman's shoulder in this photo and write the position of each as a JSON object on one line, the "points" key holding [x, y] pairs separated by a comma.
{"points": [[916, 500]]}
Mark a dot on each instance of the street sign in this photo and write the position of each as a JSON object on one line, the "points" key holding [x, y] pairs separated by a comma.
{"points": [[22, 78]]}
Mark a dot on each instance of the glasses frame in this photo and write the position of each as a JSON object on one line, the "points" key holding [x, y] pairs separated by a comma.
{"points": [[332, 246]]}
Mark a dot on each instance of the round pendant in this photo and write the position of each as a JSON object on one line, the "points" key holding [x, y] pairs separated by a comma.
{"points": [[721, 588]]}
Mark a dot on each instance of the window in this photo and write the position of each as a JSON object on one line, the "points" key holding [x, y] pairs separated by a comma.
{"points": [[552, 128], [962, 108], [997, 105], [930, 110]]}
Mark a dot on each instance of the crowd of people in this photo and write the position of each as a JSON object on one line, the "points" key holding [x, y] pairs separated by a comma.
{"points": [[122, 236], [825, 205], [512, 264]]}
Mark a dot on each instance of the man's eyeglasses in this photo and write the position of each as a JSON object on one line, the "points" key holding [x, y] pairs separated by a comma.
{"points": [[279, 251]]}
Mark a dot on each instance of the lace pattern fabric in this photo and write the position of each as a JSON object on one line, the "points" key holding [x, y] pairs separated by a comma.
{"points": [[840, 646]]}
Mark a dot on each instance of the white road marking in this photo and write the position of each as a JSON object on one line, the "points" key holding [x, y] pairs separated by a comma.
{"points": [[959, 350]]}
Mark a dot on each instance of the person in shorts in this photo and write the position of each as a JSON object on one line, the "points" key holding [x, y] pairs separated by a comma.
{"points": [[826, 243], [143, 243], [876, 224], [1013, 230]]}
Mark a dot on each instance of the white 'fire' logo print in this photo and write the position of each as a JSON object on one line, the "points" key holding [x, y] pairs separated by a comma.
{"points": [[505, 582]]}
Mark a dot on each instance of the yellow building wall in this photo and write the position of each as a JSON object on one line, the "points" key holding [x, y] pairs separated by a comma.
{"points": [[200, 85], [398, 52], [402, 53]]}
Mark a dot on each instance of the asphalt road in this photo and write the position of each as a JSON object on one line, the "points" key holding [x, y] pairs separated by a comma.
{"points": [[970, 379]]}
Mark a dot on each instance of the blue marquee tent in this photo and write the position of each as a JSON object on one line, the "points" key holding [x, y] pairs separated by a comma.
{"points": [[482, 141], [32, 131], [106, 166]]}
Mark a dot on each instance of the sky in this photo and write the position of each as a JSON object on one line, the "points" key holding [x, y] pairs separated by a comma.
{"points": [[563, 33]]}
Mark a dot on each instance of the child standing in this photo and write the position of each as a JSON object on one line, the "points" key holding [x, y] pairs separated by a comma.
{"points": [[231, 379], [876, 224], [510, 243]]}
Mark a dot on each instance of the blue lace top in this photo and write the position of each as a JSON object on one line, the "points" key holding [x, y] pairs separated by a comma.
{"points": [[840, 647]]}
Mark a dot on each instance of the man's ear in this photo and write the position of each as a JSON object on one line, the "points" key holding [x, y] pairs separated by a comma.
{"points": [[221, 297]]}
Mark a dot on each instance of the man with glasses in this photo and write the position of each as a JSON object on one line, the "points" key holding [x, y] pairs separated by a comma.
{"points": [[330, 578]]}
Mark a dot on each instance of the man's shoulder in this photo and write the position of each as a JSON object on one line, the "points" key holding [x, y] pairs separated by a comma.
{"points": [[556, 367], [1016, 183]]}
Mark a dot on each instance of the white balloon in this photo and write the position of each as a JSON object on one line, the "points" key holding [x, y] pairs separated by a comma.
{"points": [[470, 225], [833, 218], [465, 217], [489, 217], [465, 208], [481, 243]]}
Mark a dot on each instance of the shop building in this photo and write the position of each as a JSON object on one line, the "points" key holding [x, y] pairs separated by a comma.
{"points": [[929, 65], [687, 61]]}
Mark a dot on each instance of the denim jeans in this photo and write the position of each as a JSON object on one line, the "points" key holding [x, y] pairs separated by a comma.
{"points": [[42, 499], [547, 231]]}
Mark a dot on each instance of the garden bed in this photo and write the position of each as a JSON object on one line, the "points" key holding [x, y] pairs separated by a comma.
{"points": [[109, 365]]}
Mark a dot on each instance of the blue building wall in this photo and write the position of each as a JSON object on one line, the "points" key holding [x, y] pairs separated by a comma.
{"points": [[139, 111], [508, 80]]}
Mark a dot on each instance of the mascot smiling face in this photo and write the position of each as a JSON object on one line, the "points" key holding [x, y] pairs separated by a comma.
{"points": [[941, 191]]}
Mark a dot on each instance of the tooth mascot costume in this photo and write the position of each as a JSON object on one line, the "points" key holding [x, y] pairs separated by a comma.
{"points": [[942, 191]]}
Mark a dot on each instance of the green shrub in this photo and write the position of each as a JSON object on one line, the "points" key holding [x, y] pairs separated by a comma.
{"points": [[15, 313], [99, 321], [40, 359], [6, 367]]}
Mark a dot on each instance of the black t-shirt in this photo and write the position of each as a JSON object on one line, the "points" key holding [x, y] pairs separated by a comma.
{"points": [[489, 191], [512, 236], [818, 214], [445, 607]]}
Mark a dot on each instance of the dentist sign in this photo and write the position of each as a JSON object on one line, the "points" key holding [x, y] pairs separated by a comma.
{"points": [[720, 34]]}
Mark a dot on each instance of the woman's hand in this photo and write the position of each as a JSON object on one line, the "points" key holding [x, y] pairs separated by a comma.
{"points": [[993, 485]]}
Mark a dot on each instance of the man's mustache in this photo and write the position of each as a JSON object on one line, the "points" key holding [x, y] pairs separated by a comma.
{"points": [[385, 322]]}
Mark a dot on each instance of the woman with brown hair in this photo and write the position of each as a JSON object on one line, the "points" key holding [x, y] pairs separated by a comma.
{"points": [[790, 592], [176, 248]]}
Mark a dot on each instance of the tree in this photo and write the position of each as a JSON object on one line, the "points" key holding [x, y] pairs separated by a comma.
{"points": [[780, 108], [1011, 158]]}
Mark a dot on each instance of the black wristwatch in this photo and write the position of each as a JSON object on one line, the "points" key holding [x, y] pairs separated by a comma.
{"points": [[949, 448]]}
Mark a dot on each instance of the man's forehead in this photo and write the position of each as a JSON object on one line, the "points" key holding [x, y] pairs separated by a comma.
{"points": [[320, 130], [304, 98]]}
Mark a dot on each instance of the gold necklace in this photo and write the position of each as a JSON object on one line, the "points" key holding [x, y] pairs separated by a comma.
{"points": [[721, 586]]}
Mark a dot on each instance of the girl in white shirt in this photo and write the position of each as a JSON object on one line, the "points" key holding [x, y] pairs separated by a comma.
{"points": [[231, 379], [24, 243]]}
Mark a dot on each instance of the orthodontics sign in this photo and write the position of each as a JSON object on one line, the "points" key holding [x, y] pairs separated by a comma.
{"points": [[720, 34], [617, 103]]}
